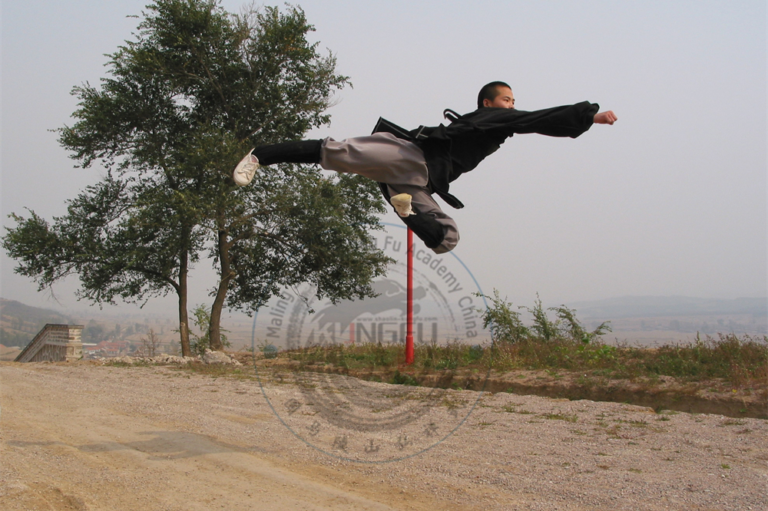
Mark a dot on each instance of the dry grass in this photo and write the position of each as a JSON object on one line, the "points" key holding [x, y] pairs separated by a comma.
{"points": [[741, 362]]}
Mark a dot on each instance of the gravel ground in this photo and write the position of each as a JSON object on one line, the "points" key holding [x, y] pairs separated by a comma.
{"points": [[83, 436]]}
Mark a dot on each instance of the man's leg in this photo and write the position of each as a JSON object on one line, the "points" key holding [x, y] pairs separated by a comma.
{"points": [[302, 151], [398, 164], [381, 157], [401, 166], [430, 223]]}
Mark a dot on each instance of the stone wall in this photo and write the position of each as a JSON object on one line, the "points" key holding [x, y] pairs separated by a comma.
{"points": [[54, 343]]}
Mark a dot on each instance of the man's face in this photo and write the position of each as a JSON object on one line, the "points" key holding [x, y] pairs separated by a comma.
{"points": [[505, 99]]}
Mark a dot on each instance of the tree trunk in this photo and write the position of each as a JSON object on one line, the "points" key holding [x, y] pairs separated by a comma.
{"points": [[214, 329], [186, 350]]}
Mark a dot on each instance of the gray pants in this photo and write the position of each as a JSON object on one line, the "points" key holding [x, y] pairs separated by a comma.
{"points": [[399, 164]]}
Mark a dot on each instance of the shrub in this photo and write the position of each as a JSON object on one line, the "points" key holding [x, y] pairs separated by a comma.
{"points": [[506, 325]]}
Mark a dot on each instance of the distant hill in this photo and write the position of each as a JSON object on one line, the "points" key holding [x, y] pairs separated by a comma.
{"points": [[654, 306], [19, 323]]}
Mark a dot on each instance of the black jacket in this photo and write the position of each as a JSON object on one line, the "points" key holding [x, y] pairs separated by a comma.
{"points": [[458, 148], [453, 150]]}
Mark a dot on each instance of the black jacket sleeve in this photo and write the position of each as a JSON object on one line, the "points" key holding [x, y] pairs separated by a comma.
{"points": [[561, 121]]}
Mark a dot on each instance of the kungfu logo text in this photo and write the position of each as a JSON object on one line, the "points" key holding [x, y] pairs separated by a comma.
{"points": [[363, 418], [444, 308]]}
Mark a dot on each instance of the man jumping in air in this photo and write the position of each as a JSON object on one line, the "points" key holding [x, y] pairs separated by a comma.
{"points": [[410, 166]]}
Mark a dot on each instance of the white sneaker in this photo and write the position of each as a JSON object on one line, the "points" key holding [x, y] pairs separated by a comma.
{"points": [[402, 204], [246, 169]]}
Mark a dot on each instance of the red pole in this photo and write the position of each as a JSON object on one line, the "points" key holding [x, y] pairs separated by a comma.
{"points": [[409, 306]]}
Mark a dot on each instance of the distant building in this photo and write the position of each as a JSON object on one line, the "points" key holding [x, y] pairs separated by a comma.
{"points": [[54, 343]]}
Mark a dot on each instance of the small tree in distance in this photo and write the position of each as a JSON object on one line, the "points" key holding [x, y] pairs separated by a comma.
{"points": [[149, 344]]}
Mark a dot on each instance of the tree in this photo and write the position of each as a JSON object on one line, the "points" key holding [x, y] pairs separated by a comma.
{"points": [[184, 101], [123, 240], [149, 344]]}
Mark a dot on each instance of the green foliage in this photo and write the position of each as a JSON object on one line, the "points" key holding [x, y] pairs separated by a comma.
{"points": [[404, 379], [504, 322], [121, 238], [507, 326], [542, 326], [201, 316], [183, 101], [572, 328], [196, 76]]}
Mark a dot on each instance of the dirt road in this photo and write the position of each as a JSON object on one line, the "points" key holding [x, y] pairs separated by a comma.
{"points": [[82, 436]]}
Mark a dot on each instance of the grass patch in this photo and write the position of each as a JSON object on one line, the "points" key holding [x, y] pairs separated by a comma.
{"points": [[513, 409], [564, 344], [560, 349], [136, 363], [559, 346], [387, 356], [560, 417], [740, 362], [403, 379], [218, 370]]}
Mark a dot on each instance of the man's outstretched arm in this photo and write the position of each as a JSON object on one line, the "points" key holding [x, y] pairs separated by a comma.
{"points": [[561, 121], [607, 117]]}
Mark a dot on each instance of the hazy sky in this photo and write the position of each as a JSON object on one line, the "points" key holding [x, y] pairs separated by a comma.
{"points": [[669, 201]]}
